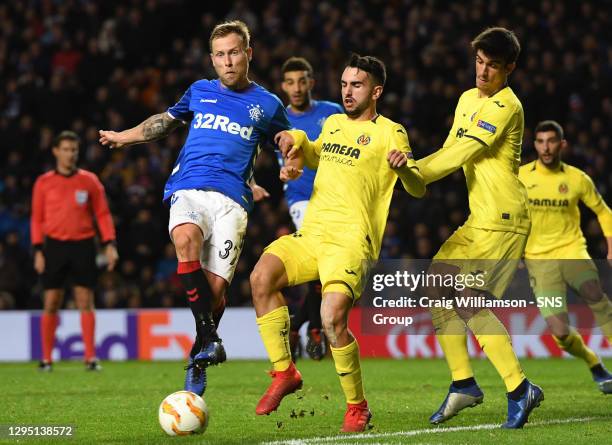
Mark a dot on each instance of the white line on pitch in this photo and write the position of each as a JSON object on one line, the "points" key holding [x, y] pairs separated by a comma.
{"points": [[452, 429]]}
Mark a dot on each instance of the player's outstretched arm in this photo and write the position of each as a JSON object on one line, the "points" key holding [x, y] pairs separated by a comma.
{"points": [[155, 127], [448, 159], [411, 178]]}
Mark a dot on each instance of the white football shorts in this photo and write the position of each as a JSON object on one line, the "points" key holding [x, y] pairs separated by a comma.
{"points": [[223, 223]]}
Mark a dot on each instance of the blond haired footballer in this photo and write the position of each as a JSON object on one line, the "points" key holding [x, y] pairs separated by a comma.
{"points": [[556, 253], [359, 156]]}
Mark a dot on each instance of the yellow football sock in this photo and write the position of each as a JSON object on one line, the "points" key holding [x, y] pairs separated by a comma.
{"points": [[274, 331], [495, 342], [574, 344], [602, 310], [451, 334], [348, 368]]}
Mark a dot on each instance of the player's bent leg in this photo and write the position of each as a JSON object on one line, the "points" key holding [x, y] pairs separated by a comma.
{"points": [[451, 333], [337, 302], [450, 329], [52, 301], [463, 392], [495, 341], [600, 304], [203, 292], [571, 342], [267, 278], [590, 291], [218, 286], [207, 350], [523, 396], [84, 299]]}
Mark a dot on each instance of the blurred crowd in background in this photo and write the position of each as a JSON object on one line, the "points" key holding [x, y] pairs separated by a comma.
{"points": [[90, 65]]}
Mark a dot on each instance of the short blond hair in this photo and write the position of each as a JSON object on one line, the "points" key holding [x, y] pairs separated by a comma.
{"points": [[231, 27]]}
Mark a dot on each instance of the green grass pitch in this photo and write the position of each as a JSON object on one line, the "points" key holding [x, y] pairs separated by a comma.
{"points": [[119, 405]]}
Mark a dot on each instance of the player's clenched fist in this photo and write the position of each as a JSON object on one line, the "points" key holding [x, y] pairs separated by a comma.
{"points": [[259, 193], [397, 158], [286, 144], [289, 173]]}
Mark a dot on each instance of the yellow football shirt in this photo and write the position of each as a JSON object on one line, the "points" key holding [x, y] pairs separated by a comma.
{"points": [[553, 203], [354, 184], [485, 140]]}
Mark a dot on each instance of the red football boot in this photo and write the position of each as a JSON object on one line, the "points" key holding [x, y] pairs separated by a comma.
{"points": [[283, 383], [356, 418]]}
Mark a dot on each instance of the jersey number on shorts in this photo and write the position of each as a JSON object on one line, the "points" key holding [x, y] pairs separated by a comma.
{"points": [[229, 245]]}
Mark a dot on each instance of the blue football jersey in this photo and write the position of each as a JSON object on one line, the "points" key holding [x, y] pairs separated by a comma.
{"points": [[311, 122], [226, 130]]}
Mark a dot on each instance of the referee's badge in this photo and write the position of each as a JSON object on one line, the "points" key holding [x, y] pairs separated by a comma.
{"points": [[81, 196]]}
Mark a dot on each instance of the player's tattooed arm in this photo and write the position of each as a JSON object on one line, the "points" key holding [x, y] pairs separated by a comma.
{"points": [[159, 126], [155, 127]]}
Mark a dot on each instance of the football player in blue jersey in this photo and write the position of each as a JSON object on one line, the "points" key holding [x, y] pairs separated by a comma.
{"points": [[308, 115], [208, 190]]}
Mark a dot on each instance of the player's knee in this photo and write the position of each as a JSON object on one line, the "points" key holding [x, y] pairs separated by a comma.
{"points": [[52, 302], [560, 332], [267, 278], [261, 283], [591, 291], [187, 244], [84, 304], [334, 324], [51, 309]]}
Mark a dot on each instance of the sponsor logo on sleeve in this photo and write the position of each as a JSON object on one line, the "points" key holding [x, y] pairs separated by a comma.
{"points": [[486, 126]]}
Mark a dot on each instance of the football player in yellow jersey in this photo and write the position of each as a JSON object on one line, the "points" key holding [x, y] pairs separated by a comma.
{"points": [[359, 156], [556, 253], [485, 140]]}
